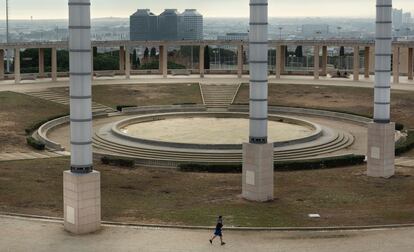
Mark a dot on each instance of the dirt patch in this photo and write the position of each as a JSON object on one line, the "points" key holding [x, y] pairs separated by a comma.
{"points": [[19, 112], [347, 99], [342, 196]]}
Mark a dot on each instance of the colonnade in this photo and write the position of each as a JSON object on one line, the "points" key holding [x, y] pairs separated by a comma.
{"points": [[403, 55]]}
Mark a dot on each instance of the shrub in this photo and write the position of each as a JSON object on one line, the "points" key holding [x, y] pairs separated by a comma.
{"points": [[118, 161], [399, 126], [37, 124], [35, 143], [406, 145], [120, 107], [311, 164]]}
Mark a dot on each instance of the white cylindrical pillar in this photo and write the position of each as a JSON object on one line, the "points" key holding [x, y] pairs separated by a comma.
{"points": [[258, 60], [80, 85], [383, 61]]}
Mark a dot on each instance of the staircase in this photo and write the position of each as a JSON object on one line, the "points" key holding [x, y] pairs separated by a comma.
{"points": [[63, 98], [218, 97]]}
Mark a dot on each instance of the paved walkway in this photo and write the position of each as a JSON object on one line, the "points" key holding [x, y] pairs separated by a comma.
{"points": [[17, 234], [12, 156], [9, 85]]}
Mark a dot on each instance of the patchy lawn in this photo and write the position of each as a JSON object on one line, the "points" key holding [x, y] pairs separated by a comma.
{"points": [[341, 196], [18, 112], [347, 99]]}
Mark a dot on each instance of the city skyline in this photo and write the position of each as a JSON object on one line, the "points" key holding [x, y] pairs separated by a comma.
{"points": [[57, 9]]}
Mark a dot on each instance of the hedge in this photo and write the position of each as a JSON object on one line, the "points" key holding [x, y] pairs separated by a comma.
{"points": [[35, 143], [118, 161], [37, 125], [406, 145], [120, 107], [311, 164]]}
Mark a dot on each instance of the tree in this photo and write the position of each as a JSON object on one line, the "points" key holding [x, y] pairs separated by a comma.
{"points": [[299, 52], [134, 58], [138, 62], [342, 51], [95, 51], [206, 57], [146, 53], [153, 52]]}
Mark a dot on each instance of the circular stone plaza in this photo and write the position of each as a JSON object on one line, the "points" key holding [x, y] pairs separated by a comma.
{"points": [[128, 159]]}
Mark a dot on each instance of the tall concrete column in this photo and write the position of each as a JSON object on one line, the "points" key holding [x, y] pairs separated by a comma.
{"points": [[17, 76], [410, 63], [81, 185], [356, 63], [396, 64], [41, 62], [122, 59], [316, 62], [278, 61], [1, 64], [366, 61], [257, 178], [54, 64], [240, 61], [324, 60], [201, 60], [381, 145], [164, 61], [127, 64]]}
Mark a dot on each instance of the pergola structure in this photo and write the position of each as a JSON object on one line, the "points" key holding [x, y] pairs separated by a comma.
{"points": [[402, 53]]}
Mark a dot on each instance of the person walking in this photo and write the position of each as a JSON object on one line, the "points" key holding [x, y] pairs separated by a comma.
{"points": [[218, 231]]}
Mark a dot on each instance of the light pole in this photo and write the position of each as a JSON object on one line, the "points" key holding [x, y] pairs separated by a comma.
{"points": [[280, 32], [7, 37], [339, 31]]}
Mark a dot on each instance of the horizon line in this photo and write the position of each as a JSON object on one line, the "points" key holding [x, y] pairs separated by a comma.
{"points": [[293, 17]]}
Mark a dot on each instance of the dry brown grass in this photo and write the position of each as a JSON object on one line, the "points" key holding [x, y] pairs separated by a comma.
{"points": [[347, 99], [342, 196], [18, 112]]}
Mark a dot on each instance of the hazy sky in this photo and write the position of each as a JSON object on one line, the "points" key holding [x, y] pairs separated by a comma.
{"points": [[52, 9]]}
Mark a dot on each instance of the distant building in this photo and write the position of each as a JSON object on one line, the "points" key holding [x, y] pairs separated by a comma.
{"points": [[143, 25], [191, 25], [234, 36], [397, 17], [169, 25], [407, 18], [315, 30]]}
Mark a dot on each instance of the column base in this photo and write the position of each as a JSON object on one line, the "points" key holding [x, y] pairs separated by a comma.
{"points": [[381, 150], [258, 172], [82, 202]]}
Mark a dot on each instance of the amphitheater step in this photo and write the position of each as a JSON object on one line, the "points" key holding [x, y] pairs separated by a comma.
{"points": [[218, 96], [63, 98], [29, 155]]}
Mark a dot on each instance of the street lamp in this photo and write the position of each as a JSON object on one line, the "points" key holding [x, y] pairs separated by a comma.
{"points": [[339, 31], [7, 38]]}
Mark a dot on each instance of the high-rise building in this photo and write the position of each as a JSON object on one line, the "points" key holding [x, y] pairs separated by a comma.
{"points": [[169, 25], [397, 17], [191, 25], [143, 25]]}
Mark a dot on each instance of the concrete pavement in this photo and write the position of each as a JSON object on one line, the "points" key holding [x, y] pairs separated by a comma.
{"points": [[19, 234], [8, 85]]}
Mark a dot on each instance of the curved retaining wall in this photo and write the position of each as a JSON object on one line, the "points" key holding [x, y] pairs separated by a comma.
{"points": [[304, 111], [116, 130]]}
